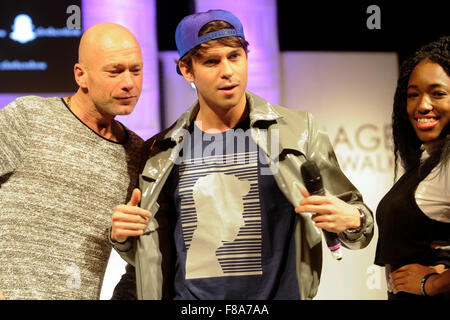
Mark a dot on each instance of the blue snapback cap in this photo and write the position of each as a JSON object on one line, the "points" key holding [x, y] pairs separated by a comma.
{"points": [[186, 34]]}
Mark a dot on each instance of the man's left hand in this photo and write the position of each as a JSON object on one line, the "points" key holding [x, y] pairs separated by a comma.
{"points": [[330, 212]]}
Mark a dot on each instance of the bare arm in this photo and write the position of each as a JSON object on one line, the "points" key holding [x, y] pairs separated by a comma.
{"points": [[438, 284], [408, 278]]}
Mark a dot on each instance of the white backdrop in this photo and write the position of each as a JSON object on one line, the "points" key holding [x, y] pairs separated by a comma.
{"points": [[351, 94]]}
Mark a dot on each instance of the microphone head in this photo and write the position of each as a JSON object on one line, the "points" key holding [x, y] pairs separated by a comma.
{"points": [[311, 177]]}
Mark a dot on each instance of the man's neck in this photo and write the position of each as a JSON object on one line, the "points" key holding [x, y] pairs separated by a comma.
{"points": [[103, 125], [220, 120]]}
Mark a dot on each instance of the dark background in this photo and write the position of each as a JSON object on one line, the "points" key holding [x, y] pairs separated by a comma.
{"points": [[57, 52], [336, 25], [302, 26]]}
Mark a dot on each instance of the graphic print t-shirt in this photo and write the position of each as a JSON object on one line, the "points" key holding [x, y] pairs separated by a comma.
{"points": [[234, 229]]}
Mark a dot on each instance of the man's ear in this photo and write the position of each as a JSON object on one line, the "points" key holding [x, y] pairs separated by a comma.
{"points": [[186, 71], [80, 73]]}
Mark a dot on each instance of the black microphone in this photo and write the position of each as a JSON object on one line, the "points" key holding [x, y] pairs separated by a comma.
{"points": [[313, 183]]}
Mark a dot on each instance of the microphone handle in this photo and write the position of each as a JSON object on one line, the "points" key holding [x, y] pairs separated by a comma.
{"points": [[331, 238]]}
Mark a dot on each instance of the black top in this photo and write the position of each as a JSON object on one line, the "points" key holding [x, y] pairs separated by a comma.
{"points": [[406, 234]]}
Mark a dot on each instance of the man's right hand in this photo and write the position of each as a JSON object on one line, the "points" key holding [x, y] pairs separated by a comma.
{"points": [[129, 220]]}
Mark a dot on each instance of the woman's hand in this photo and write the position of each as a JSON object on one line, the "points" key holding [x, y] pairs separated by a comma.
{"points": [[408, 279]]}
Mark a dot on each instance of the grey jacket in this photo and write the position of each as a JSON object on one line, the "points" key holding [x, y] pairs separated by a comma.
{"points": [[300, 138]]}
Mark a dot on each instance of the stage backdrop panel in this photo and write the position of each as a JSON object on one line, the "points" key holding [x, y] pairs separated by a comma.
{"points": [[351, 94]]}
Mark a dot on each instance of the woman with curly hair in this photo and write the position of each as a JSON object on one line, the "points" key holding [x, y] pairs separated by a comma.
{"points": [[414, 216]]}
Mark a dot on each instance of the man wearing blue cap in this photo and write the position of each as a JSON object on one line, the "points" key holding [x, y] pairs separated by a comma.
{"points": [[222, 186]]}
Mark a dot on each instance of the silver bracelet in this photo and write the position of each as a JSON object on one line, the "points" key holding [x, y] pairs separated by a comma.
{"points": [[362, 220], [422, 283]]}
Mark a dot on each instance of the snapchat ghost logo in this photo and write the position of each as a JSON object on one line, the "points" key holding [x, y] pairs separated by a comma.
{"points": [[22, 29]]}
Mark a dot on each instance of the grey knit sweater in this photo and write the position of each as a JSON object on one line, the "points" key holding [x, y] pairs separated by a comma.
{"points": [[59, 183]]}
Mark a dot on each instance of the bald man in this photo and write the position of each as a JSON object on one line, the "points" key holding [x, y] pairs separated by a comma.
{"points": [[64, 165]]}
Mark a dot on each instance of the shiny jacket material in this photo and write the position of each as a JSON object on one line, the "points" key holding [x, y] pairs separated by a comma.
{"points": [[300, 139]]}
